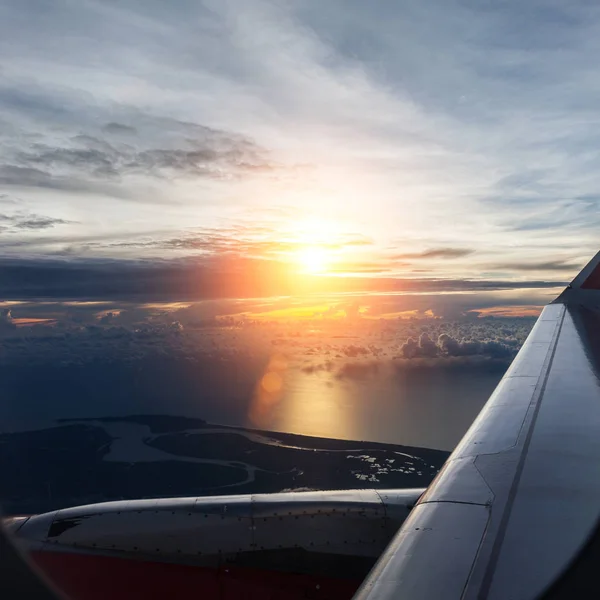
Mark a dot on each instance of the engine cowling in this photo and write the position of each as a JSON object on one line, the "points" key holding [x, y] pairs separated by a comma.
{"points": [[325, 539]]}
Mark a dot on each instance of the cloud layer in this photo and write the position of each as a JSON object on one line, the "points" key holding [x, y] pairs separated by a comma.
{"points": [[215, 275]]}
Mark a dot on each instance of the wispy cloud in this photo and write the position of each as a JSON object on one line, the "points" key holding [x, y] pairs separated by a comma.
{"points": [[199, 152], [26, 221], [532, 267], [436, 253], [258, 241], [119, 128]]}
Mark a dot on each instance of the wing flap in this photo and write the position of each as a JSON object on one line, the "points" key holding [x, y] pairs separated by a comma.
{"points": [[436, 531]]}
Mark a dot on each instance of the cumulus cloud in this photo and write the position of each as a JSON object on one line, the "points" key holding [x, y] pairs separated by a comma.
{"points": [[176, 327], [448, 346], [57, 334], [423, 348], [353, 351], [6, 321]]}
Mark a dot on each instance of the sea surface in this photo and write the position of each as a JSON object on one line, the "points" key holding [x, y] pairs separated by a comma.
{"points": [[428, 406]]}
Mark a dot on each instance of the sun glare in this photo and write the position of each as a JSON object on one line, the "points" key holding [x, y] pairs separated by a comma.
{"points": [[313, 259]]}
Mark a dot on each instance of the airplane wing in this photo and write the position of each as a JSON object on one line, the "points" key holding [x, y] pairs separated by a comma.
{"points": [[513, 514]]}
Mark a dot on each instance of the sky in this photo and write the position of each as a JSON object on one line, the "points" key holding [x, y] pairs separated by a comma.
{"points": [[453, 140], [212, 179]]}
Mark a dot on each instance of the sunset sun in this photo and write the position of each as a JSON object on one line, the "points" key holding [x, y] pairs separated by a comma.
{"points": [[313, 259]]}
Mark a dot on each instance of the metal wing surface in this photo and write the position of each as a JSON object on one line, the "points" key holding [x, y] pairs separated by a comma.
{"points": [[514, 513]]}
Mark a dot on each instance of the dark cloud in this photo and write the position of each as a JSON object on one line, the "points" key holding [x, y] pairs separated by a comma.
{"points": [[358, 370], [29, 221], [436, 253], [449, 346], [185, 150], [26, 176], [212, 276], [38, 222], [550, 265], [50, 332], [119, 128], [47, 155], [99, 280], [484, 341]]}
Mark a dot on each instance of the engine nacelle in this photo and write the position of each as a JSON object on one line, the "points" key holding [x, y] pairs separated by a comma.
{"points": [[329, 535]]}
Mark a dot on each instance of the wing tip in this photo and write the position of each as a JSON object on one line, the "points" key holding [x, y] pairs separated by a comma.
{"points": [[589, 277], [588, 280]]}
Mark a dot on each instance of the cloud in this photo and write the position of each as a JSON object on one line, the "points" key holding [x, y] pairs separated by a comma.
{"points": [[21, 220], [211, 276], [81, 333], [30, 177], [27, 176], [214, 154], [448, 346], [38, 222], [437, 253], [6, 321], [119, 128], [257, 240], [358, 371], [374, 267], [8, 200], [423, 348], [550, 265]]}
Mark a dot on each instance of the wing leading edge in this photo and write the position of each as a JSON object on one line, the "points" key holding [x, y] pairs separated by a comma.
{"points": [[519, 497]]}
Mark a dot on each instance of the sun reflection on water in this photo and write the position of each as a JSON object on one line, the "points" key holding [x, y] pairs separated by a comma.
{"points": [[288, 399], [317, 406]]}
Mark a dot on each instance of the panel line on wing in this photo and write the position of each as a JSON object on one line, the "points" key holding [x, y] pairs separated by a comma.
{"points": [[538, 398]]}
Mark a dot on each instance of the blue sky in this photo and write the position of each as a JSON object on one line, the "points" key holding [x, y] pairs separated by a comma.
{"points": [[375, 132]]}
